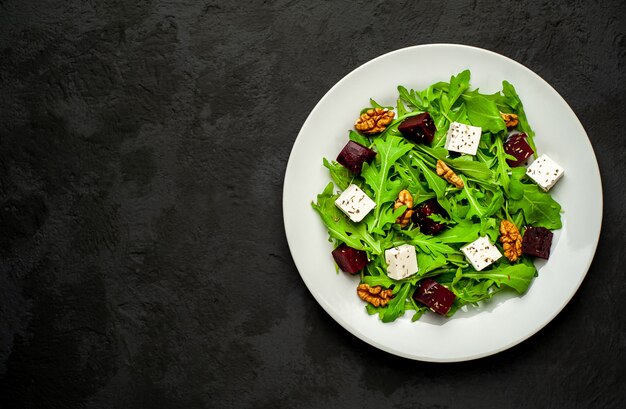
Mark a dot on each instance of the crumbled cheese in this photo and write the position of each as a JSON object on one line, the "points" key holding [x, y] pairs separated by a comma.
{"points": [[481, 253], [545, 172], [355, 203], [463, 138], [401, 261]]}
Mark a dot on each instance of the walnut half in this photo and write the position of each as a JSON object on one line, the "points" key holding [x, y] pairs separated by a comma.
{"points": [[511, 240], [510, 120], [448, 174], [374, 120], [404, 199], [374, 295]]}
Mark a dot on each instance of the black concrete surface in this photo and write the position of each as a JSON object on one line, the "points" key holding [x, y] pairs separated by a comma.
{"points": [[143, 262]]}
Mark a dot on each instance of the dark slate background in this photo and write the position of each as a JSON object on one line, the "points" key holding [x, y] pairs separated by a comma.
{"points": [[143, 262]]}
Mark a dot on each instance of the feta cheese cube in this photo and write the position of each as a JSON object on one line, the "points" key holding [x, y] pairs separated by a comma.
{"points": [[481, 253], [355, 203], [463, 138], [401, 261], [545, 172]]}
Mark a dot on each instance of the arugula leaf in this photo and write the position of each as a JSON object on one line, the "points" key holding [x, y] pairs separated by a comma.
{"points": [[514, 101], [436, 183], [388, 216], [396, 306], [458, 85], [517, 276], [483, 112], [458, 208], [419, 311], [472, 291], [412, 98], [427, 244], [376, 175], [474, 169], [429, 261], [440, 219], [400, 109], [341, 228], [358, 138], [464, 232], [411, 177], [539, 208], [377, 274], [434, 152], [518, 220], [339, 173], [375, 104], [502, 168], [489, 227], [486, 157], [494, 199], [516, 187]]}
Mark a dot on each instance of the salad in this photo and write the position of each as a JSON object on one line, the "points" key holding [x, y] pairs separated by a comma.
{"points": [[433, 204]]}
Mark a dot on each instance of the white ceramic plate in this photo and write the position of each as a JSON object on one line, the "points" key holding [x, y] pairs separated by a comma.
{"points": [[502, 322]]}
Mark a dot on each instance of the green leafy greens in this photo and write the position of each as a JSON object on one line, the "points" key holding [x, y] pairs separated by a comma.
{"points": [[492, 191]]}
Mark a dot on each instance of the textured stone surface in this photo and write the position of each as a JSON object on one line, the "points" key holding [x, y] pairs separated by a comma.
{"points": [[143, 145]]}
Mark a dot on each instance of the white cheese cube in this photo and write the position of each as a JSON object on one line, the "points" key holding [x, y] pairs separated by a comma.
{"points": [[401, 261], [545, 172], [481, 253], [463, 138], [355, 203]]}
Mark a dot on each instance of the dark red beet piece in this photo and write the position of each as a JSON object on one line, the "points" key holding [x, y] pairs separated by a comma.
{"points": [[435, 296], [353, 155], [517, 146], [348, 259], [425, 209], [419, 128], [537, 242]]}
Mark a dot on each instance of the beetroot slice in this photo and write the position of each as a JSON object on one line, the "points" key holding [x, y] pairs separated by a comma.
{"points": [[425, 209], [517, 146], [537, 242], [419, 128], [353, 155], [435, 296], [348, 259]]}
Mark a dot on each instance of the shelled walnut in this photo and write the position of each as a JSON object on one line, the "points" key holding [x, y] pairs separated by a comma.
{"points": [[404, 199], [448, 174], [511, 240], [510, 120], [374, 295], [374, 120]]}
